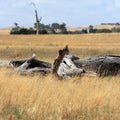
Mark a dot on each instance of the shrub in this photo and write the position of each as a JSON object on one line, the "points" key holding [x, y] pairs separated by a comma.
{"points": [[103, 31], [22, 31], [116, 29]]}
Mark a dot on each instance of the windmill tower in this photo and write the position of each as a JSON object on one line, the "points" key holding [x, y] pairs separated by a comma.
{"points": [[37, 20]]}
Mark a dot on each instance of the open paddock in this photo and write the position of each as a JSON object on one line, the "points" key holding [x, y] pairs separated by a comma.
{"points": [[48, 98], [46, 46]]}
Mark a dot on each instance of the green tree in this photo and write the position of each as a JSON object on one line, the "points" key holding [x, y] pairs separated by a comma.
{"points": [[63, 28], [116, 29], [55, 27]]}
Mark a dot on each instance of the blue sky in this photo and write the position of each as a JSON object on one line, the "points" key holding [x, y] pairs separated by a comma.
{"points": [[75, 13]]}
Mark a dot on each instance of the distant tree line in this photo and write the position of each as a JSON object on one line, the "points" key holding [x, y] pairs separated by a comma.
{"points": [[110, 23], [56, 28], [104, 30]]}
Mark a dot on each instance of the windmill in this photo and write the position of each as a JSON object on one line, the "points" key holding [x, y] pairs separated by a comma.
{"points": [[37, 20]]}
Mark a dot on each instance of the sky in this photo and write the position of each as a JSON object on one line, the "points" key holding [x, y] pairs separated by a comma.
{"points": [[75, 13]]}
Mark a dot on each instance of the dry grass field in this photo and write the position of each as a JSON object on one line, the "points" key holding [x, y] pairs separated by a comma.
{"points": [[47, 46], [5, 31], [48, 98]]}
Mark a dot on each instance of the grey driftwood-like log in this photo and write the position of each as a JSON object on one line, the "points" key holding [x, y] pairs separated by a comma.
{"points": [[59, 59], [31, 65], [63, 65], [102, 65], [68, 65]]}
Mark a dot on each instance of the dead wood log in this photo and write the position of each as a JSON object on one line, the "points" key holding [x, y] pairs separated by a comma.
{"points": [[67, 64], [59, 59], [103, 65], [31, 66], [33, 63], [63, 65]]}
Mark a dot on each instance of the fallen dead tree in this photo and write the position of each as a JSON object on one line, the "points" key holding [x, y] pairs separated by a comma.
{"points": [[67, 65], [102, 65], [30, 66], [63, 65]]}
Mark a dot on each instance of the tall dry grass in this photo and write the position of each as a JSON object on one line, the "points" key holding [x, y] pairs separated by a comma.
{"points": [[48, 98], [57, 41], [47, 46]]}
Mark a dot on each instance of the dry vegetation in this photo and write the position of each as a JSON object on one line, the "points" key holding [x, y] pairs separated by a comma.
{"points": [[110, 27], [5, 31], [46, 46], [47, 98]]}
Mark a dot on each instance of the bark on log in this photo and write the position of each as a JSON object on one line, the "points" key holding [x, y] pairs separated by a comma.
{"points": [[103, 65], [34, 63], [31, 65], [59, 59]]}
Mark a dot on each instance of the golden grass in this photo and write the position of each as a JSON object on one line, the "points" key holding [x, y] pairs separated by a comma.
{"points": [[110, 27], [48, 41], [5, 31], [47, 46], [106, 26], [48, 98]]}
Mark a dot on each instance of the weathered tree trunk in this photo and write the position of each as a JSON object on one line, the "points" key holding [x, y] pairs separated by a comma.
{"points": [[103, 65], [63, 65], [37, 20], [37, 23], [59, 59], [30, 66], [33, 63]]}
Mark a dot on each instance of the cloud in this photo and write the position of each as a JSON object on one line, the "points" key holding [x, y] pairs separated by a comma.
{"points": [[19, 4], [117, 3], [93, 2], [23, 3], [44, 1], [73, 12]]}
